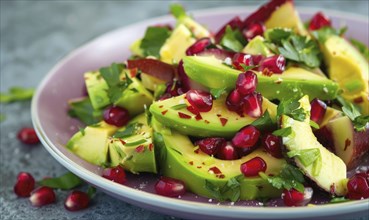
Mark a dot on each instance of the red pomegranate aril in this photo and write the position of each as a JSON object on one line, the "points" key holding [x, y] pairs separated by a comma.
{"points": [[202, 101], [116, 116], [252, 105], [170, 187], [248, 136], [42, 196], [227, 152], [272, 144], [293, 197], [115, 174], [255, 29], [76, 201], [211, 145], [318, 21], [246, 83], [275, 64], [234, 101], [318, 109], [245, 151], [174, 88], [24, 185], [28, 136], [199, 46], [253, 167], [358, 187], [241, 58]]}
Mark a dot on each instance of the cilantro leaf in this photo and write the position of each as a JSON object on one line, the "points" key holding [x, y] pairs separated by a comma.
{"points": [[283, 132], [359, 121], [153, 40], [179, 106], [305, 156], [264, 122], [233, 39], [276, 35], [64, 182], [91, 192], [16, 94], [324, 33], [314, 124], [177, 10], [363, 49], [292, 109], [83, 110], [129, 131], [229, 191], [339, 200]]}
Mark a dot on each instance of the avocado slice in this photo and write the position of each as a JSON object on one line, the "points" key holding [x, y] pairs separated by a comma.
{"points": [[134, 150], [257, 46], [294, 82], [199, 170], [91, 144], [218, 122], [328, 171], [96, 88]]}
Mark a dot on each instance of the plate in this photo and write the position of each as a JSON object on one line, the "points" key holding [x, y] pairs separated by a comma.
{"points": [[65, 81]]}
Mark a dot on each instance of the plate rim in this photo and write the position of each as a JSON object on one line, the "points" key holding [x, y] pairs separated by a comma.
{"points": [[132, 195]]}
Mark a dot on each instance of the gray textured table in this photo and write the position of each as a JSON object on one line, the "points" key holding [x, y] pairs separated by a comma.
{"points": [[34, 35]]}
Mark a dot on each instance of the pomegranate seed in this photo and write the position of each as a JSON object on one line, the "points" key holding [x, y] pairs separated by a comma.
{"points": [[170, 187], [199, 46], [28, 136], [116, 116], [76, 201], [210, 146], [274, 64], [318, 21], [202, 101], [174, 88], [241, 58], [234, 101], [253, 167], [358, 187], [246, 137], [318, 109], [272, 144], [24, 185], [252, 105], [235, 23], [245, 151], [246, 83], [227, 152], [293, 197], [255, 29], [115, 174], [183, 77], [42, 196]]}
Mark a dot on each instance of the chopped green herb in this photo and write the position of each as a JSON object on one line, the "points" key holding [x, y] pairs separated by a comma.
{"points": [[324, 33], [130, 130], [229, 191], [91, 192], [338, 200], [84, 111], [314, 124], [177, 10], [359, 121], [305, 156], [148, 115], [283, 132], [82, 130], [159, 91], [16, 94], [179, 106], [276, 35], [216, 93], [141, 141], [264, 122], [120, 152], [64, 182], [317, 166], [153, 40], [247, 68], [363, 49], [292, 109], [233, 39]]}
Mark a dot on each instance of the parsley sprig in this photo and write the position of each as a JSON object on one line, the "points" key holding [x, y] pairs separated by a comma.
{"points": [[291, 108], [229, 191], [233, 39], [153, 40], [83, 110], [359, 121]]}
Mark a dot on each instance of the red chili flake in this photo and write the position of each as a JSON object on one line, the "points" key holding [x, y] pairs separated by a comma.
{"points": [[161, 106], [140, 149], [347, 144], [183, 115], [151, 146], [207, 122], [164, 112], [221, 176], [197, 150], [121, 141], [359, 100], [199, 167], [223, 121], [193, 110], [266, 72], [198, 117], [133, 72], [215, 170], [219, 115], [191, 162]]}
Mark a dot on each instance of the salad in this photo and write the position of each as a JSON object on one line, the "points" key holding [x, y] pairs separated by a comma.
{"points": [[265, 107]]}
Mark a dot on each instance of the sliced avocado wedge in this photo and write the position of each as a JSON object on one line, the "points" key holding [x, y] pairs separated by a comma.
{"points": [[327, 170], [292, 83], [218, 122], [132, 147], [199, 170]]}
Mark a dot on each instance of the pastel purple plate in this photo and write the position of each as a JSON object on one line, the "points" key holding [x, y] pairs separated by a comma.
{"points": [[55, 127]]}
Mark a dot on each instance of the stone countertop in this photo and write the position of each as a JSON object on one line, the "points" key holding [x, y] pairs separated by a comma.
{"points": [[34, 36]]}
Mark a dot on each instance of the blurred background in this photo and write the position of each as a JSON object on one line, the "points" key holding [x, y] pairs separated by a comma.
{"points": [[34, 36]]}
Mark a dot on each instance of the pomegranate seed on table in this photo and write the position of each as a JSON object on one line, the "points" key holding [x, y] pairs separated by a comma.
{"points": [[28, 136], [318, 109], [211, 145], [252, 105], [42, 196], [272, 144], [24, 185], [227, 152], [318, 21], [170, 187], [293, 197], [241, 58], [247, 137], [255, 29], [253, 167], [358, 187], [115, 174], [76, 201], [234, 101], [275, 64], [246, 83], [199, 46], [202, 101], [116, 116]]}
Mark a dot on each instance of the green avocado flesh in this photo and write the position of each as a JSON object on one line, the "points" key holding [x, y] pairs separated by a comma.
{"points": [[328, 171], [134, 152], [218, 122], [177, 153], [292, 83]]}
